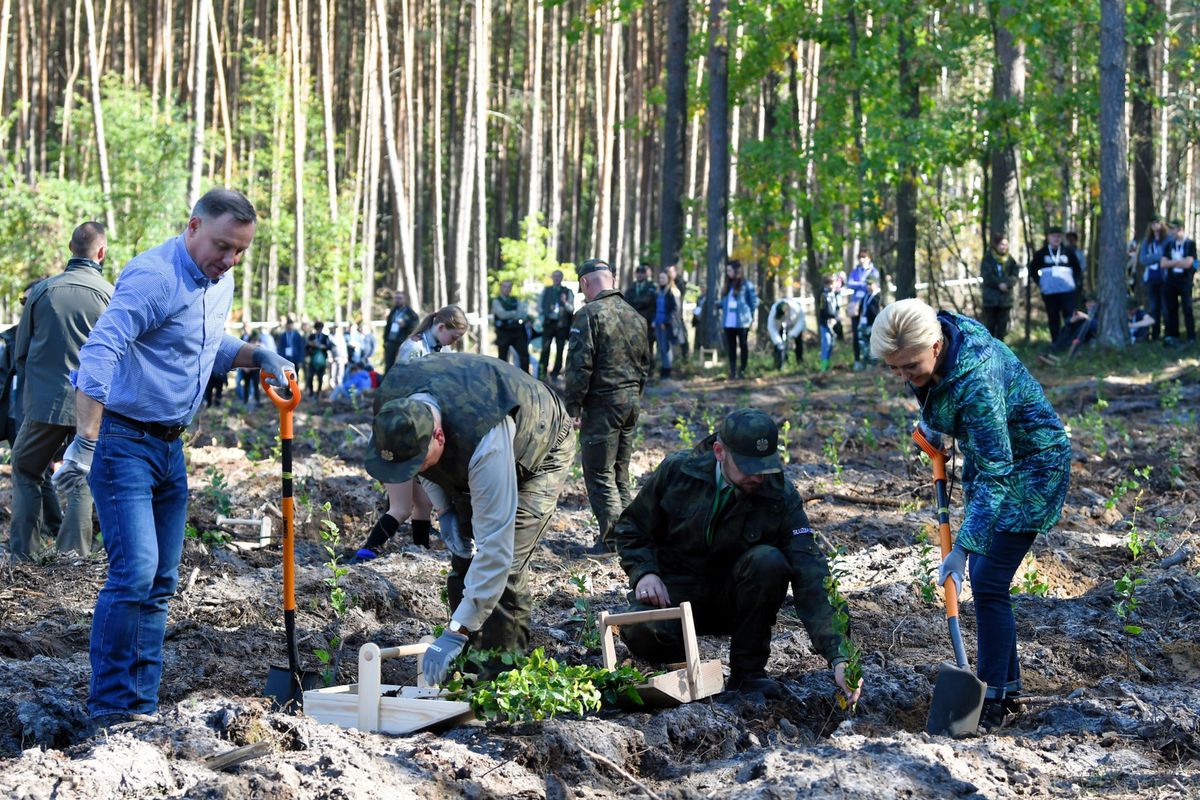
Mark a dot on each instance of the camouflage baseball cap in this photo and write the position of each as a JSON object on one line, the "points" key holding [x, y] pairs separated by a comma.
{"points": [[592, 265], [399, 440], [753, 439]]}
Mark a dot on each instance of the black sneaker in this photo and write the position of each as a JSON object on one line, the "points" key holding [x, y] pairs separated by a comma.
{"points": [[992, 717], [755, 683]]}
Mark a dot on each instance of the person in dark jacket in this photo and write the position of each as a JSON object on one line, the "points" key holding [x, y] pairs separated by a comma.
{"points": [[607, 366], [318, 346], [641, 296], [1000, 272], [1060, 278], [557, 306], [401, 322], [508, 312], [720, 526], [1150, 256], [871, 306], [1179, 266], [58, 316], [1016, 466], [680, 282]]}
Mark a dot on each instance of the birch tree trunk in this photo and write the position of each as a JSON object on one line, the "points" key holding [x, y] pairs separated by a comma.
{"points": [[466, 190], [1114, 178], [331, 192], [534, 204], [439, 207], [199, 84], [482, 82], [110, 219]]}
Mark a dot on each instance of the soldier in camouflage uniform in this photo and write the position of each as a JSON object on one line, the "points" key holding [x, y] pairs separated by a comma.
{"points": [[720, 527], [491, 446], [607, 364]]}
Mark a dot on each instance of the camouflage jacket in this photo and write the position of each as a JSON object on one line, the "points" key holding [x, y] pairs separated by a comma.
{"points": [[1016, 454], [663, 532], [474, 394], [609, 355]]}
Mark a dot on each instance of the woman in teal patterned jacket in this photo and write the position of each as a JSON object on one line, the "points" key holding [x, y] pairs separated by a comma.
{"points": [[1016, 464]]}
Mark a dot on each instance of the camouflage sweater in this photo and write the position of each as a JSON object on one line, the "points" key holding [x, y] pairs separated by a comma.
{"points": [[663, 532], [1016, 454], [609, 355]]}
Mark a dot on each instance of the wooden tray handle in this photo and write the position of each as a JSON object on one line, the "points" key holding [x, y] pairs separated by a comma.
{"points": [[683, 613], [370, 660]]}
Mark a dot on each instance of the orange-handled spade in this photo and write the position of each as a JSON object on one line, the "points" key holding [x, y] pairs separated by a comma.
{"points": [[958, 694], [286, 687]]}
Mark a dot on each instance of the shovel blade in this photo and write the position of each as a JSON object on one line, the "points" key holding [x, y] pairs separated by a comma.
{"points": [[286, 688], [957, 703]]}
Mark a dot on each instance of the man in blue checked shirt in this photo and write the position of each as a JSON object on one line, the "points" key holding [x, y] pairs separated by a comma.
{"points": [[141, 378]]}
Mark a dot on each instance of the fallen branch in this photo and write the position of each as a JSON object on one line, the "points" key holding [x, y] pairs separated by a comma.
{"points": [[620, 771], [887, 502], [238, 755]]}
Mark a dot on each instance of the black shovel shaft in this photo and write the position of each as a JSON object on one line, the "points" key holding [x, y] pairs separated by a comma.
{"points": [[289, 625], [960, 652]]}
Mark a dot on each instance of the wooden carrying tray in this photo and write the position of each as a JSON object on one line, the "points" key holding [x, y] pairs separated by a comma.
{"points": [[362, 705], [685, 683]]}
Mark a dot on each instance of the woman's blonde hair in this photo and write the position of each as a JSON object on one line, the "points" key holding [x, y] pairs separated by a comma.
{"points": [[450, 316], [903, 325]]}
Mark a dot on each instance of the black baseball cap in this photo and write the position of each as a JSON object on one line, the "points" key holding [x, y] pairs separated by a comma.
{"points": [[752, 438], [1054, 229], [592, 265], [399, 440]]}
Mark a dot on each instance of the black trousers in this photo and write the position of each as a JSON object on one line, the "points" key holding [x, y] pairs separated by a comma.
{"points": [[515, 338], [995, 319], [781, 352], [1059, 308], [734, 338], [554, 337], [744, 602], [1178, 296]]}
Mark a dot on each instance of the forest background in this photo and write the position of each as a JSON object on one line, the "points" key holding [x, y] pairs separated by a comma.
{"points": [[437, 146]]}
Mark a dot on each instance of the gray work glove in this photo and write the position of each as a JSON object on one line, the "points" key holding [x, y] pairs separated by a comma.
{"points": [[436, 664], [77, 463], [934, 438], [953, 566], [276, 365], [452, 536]]}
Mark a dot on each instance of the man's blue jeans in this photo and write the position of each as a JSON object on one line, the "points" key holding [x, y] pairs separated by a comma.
{"points": [[996, 629], [139, 484]]}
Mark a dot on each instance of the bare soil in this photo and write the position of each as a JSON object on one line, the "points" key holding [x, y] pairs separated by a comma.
{"points": [[1114, 714]]}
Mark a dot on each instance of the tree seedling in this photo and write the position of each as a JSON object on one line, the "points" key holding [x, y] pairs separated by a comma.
{"points": [[926, 567], [841, 623], [686, 437], [585, 615]]}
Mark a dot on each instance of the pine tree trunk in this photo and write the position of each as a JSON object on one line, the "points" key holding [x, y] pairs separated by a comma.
{"points": [[459, 290], [76, 63], [1114, 178], [533, 208], [1008, 91], [671, 224], [5, 17], [1141, 122], [222, 96], [906, 189], [327, 100], [482, 84], [718, 161]]}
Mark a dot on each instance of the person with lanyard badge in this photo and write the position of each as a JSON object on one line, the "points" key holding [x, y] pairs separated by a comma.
{"points": [[1150, 256], [558, 303], [1179, 264], [738, 306], [1059, 276], [442, 328], [141, 376], [511, 334], [856, 282], [1015, 474]]}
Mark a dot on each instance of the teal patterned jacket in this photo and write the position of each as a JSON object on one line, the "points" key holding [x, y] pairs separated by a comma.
{"points": [[1016, 454]]}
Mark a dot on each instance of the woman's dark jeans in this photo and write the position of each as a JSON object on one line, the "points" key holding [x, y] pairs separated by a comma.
{"points": [[996, 629], [733, 338]]}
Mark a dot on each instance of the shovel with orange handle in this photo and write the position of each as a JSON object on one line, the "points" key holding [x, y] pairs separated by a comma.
{"points": [[286, 685], [958, 694]]}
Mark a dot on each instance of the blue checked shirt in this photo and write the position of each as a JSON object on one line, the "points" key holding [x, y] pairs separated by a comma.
{"points": [[151, 353]]}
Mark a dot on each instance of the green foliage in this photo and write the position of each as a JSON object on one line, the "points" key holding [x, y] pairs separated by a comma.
{"points": [[218, 491], [1030, 581], [687, 437], [528, 258], [926, 567], [339, 598], [538, 687], [214, 539], [585, 615], [831, 449], [1170, 396], [785, 439], [841, 623], [326, 658]]}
